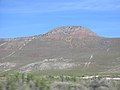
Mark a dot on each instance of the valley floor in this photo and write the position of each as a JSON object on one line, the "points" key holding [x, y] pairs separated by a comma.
{"points": [[33, 81]]}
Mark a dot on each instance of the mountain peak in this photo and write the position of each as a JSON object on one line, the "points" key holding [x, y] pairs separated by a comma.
{"points": [[61, 33]]}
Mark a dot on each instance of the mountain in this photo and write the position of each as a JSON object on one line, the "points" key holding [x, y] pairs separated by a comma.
{"points": [[68, 32], [74, 48]]}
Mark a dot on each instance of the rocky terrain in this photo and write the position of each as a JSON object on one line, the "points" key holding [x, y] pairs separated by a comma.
{"points": [[64, 48]]}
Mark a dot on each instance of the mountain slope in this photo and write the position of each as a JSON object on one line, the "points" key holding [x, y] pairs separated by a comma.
{"points": [[63, 48], [69, 32]]}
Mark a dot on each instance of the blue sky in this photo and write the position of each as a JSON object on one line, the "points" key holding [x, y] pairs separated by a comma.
{"points": [[32, 17]]}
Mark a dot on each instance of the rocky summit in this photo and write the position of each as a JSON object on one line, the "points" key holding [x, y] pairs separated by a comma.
{"points": [[68, 32]]}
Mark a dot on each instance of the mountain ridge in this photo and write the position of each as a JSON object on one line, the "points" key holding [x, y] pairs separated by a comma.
{"points": [[63, 32], [90, 52]]}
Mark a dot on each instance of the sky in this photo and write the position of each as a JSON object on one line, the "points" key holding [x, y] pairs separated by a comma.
{"points": [[20, 18]]}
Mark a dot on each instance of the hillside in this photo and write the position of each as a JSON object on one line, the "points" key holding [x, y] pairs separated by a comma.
{"points": [[72, 48]]}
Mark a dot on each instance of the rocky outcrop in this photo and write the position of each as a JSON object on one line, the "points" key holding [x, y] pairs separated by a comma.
{"points": [[69, 32]]}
